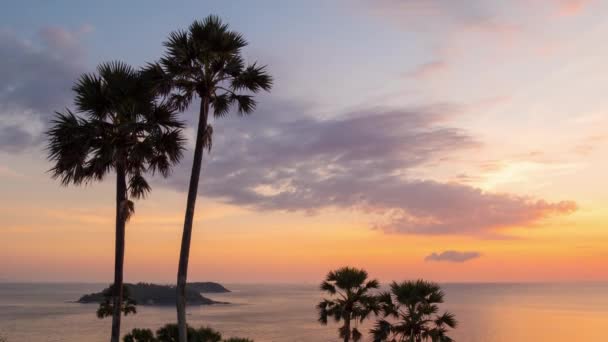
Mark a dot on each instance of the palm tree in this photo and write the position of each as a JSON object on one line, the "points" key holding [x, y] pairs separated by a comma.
{"points": [[120, 125], [412, 307], [353, 302], [205, 62], [106, 307]]}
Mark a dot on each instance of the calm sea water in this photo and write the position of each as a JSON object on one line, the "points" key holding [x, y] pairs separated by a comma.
{"points": [[486, 312]]}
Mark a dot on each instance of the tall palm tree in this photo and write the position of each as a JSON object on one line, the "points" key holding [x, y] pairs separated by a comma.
{"points": [[120, 125], [205, 62], [353, 301], [412, 307]]}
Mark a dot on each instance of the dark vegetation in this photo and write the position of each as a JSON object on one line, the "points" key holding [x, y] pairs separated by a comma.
{"points": [[409, 312], [208, 287], [169, 333]]}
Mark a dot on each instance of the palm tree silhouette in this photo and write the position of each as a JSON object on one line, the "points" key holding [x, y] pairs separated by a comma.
{"points": [[205, 62], [352, 302], [120, 125], [106, 307], [412, 307]]}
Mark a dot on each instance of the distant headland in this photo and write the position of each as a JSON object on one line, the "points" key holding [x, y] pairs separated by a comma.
{"points": [[208, 287], [154, 294]]}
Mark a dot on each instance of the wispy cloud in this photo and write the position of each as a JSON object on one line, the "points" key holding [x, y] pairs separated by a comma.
{"points": [[427, 70], [452, 256]]}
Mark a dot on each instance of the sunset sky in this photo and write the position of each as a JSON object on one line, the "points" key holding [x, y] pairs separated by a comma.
{"points": [[446, 140]]}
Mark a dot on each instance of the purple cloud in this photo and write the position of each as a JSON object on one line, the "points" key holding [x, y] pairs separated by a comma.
{"points": [[358, 161], [36, 81], [452, 256]]}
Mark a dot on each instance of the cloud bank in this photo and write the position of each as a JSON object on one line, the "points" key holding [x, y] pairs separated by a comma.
{"points": [[359, 161], [452, 256]]}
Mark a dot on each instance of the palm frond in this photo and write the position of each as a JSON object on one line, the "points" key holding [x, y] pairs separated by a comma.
{"points": [[138, 186], [328, 287], [245, 104], [208, 138], [91, 96], [70, 142], [253, 78], [156, 77], [381, 331], [221, 105], [356, 335], [127, 209]]}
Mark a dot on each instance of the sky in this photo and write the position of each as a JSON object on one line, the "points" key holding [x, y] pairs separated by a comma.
{"points": [[416, 139]]}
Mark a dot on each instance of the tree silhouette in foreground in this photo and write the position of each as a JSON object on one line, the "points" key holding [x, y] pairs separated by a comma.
{"points": [[412, 308], [106, 307], [120, 125], [351, 300], [205, 62], [169, 333]]}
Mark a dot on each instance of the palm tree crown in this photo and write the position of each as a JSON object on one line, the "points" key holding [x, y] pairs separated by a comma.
{"points": [[353, 300], [206, 61], [412, 307], [119, 122]]}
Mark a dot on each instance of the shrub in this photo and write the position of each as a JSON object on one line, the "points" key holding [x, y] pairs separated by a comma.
{"points": [[169, 333]]}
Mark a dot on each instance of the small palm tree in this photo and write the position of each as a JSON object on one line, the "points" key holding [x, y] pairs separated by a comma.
{"points": [[412, 307], [120, 125], [205, 62], [106, 307], [353, 301]]}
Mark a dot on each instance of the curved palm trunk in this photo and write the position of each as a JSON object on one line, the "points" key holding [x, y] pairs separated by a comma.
{"points": [[182, 273], [119, 252]]}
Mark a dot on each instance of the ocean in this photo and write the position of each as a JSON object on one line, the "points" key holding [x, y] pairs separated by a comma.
{"points": [[486, 313]]}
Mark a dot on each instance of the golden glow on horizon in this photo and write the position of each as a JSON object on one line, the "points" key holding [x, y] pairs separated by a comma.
{"points": [[236, 244]]}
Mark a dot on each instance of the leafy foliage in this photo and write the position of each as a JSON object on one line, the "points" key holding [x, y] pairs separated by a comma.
{"points": [[119, 120], [169, 333], [106, 307], [140, 335], [351, 300], [205, 61], [412, 307]]}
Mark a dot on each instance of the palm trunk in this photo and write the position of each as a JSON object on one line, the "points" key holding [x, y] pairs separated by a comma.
{"points": [[182, 273], [347, 328], [119, 253]]}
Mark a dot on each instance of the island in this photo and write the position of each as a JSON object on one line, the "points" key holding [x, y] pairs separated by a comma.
{"points": [[154, 294], [208, 287]]}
